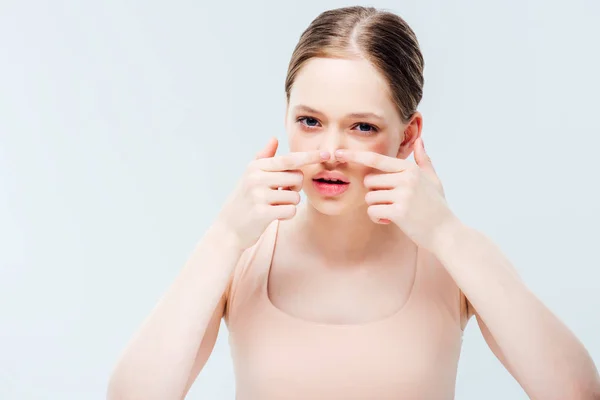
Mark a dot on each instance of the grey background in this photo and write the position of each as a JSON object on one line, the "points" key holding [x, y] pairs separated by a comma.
{"points": [[124, 125]]}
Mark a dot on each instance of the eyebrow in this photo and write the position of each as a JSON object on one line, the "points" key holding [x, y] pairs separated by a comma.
{"points": [[302, 107]]}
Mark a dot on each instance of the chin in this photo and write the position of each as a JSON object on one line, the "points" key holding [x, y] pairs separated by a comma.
{"points": [[331, 206]]}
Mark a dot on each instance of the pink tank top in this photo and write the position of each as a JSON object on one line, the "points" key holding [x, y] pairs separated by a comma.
{"points": [[412, 354]]}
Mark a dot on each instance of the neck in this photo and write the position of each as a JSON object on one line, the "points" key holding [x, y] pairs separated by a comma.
{"points": [[345, 239]]}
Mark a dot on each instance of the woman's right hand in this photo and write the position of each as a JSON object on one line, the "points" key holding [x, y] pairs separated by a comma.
{"points": [[268, 190]]}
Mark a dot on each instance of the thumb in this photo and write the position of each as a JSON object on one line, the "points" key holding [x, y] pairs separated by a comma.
{"points": [[424, 161], [421, 157], [269, 150]]}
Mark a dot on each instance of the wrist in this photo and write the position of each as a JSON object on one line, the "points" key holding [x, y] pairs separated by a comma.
{"points": [[222, 235], [446, 235]]}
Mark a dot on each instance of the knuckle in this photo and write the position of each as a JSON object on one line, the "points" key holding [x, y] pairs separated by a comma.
{"points": [[258, 195], [399, 210], [253, 178], [298, 177], [289, 211], [371, 159], [275, 165], [401, 196], [411, 179], [371, 211], [285, 163], [290, 164], [295, 197], [311, 158], [254, 165]]}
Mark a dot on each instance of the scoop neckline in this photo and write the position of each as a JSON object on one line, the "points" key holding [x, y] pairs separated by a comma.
{"points": [[332, 325]]}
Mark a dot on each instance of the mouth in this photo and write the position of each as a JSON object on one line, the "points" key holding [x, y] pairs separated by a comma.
{"points": [[330, 181], [330, 184], [331, 177]]}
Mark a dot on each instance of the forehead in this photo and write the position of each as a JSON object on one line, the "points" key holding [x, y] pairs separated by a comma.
{"points": [[338, 86]]}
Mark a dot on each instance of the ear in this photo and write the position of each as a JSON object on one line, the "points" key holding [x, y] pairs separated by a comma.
{"points": [[412, 131]]}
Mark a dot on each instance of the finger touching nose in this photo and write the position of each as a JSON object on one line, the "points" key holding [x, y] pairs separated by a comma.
{"points": [[332, 141]]}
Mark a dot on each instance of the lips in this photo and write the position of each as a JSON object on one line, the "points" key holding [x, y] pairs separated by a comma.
{"points": [[331, 177], [331, 183]]}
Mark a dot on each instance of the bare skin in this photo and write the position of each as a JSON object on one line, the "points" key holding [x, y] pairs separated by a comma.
{"points": [[332, 264], [315, 282], [348, 259]]}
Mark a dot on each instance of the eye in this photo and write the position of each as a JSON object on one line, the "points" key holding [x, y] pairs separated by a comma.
{"points": [[308, 122], [367, 129]]}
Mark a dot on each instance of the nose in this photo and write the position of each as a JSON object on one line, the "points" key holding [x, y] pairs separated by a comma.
{"points": [[332, 140]]}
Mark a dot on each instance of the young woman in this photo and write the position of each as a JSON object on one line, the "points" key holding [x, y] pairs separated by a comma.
{"points": [[363, 291]]}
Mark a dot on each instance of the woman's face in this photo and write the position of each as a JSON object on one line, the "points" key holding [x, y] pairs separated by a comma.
{"points": [[343, 104]]}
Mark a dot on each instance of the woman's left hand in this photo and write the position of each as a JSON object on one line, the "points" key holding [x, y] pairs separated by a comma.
{"points": [[407, 194]]}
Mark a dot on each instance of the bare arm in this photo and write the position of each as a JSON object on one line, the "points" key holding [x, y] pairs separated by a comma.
{"points": [[172, 346], [541, 353], [174, 342]]}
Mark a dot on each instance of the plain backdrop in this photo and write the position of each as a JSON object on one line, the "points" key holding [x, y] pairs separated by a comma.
{"points": [[124, 125]]}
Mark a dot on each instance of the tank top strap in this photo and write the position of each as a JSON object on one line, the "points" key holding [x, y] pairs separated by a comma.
{"points": [[437, 286], [250, 270], [267, 251]]}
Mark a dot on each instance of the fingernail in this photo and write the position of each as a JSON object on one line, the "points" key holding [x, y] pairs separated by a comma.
{"points": [[325, 155], [339, 153]]}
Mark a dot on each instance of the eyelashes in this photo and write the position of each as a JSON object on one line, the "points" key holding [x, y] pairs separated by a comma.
{"points": [[304, 121], [310, 124]]}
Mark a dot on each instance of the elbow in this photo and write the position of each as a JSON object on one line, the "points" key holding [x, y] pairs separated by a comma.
{"points": [[575, 388], [590, 388], [585, 389], [587, 393], [593, 393]]}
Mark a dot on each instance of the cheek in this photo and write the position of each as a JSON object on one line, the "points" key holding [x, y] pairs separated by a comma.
{"points": [[300, 142], [382, 145]]}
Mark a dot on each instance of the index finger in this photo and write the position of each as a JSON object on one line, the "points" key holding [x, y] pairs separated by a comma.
{"points": [[373, 160], [292, 161]]}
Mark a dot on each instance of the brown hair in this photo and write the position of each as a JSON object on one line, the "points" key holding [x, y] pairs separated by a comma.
{"points": [[380, 37]]}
